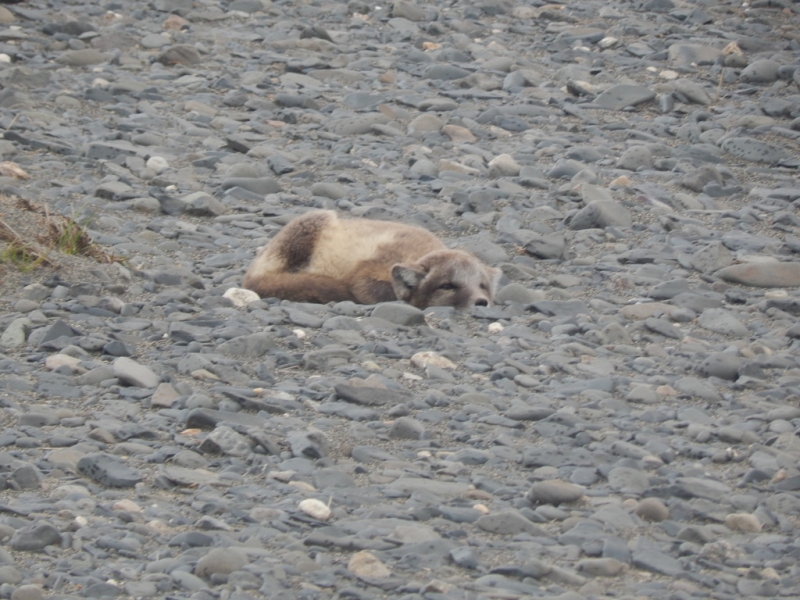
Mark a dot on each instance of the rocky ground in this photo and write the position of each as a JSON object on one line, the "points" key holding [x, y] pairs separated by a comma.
{"points": [[622, 424]]}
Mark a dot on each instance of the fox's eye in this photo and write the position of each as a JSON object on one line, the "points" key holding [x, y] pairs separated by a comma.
{"points": [[484, 287], [448, 286]]}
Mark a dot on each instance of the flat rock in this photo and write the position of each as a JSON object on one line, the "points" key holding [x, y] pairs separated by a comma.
{"points": [[755, 150], [760, 71], [220, 561], [554, 492], [369, 396], [721, 321], [133, 373], [648, 556], [509, 522], [686, 54], [82, 58], [768, 274], [621, 96], [601, 214], [108, 470], [35, 538]]}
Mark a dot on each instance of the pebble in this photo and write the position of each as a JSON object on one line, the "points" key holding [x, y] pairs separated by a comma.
{"points": [[35, 538], [364, 564], [315, 508], [652, 509], [220, 561], [620, 423], [133, 373], [764, 274], [760, 71], [554, 492], [754, 150], [743, 522], [107, 470]]}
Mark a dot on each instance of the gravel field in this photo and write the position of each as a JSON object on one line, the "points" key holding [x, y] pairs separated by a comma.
{"points": [[623, 423]]}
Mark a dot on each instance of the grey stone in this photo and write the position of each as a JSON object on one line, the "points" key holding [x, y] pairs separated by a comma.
{"points": [[357, 125], [554, 492], [311, 445], [35, 538], [509, 522], [697, 179], [108, 470], [133, 373], [547, 246], [82, 58], [601, 214], [15, 333], [754, 150], [409, 429], [685, 54], [712, 258], [514, 292], [760, 71], [222, 561], [722, 365], [202, 204], [628, 481], [695, 388], [370, 396], [623, 95], [723, 322], [399, 313], [692, 92], [784, 274], [634, 158], [224, 440], [465, 557], [180, 54], [446, 72], [648, 556], [329, 189], [254, 345]]}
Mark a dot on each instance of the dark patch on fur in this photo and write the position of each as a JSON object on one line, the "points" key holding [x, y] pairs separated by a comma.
{"points": [[298, 240], [373, 291], [370, 284]]}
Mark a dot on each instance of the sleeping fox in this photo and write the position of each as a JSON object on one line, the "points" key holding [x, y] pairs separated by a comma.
{"points": [[318, 257]]}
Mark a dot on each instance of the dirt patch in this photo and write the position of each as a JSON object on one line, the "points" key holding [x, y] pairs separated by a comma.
{"points": [[30, 238]]}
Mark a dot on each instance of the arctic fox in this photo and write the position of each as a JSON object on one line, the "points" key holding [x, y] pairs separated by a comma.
{"points": [[318, 257]]}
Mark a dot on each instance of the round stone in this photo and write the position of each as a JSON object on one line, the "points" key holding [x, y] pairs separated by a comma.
{"points": [[652, 509]]}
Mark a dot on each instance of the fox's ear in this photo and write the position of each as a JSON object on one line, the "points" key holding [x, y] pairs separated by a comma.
{"points": [[405, 280]]}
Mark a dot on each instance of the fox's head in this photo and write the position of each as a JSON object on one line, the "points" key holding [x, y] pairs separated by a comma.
{"points": [[446, 278]]}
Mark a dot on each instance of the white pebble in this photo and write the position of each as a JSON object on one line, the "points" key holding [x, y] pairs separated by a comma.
{"points": [[299, 334], [315, 508], [423, 359], [5, 58], [495, 327], [55, 361], [240, 296], [157, 164], [80, 521]]}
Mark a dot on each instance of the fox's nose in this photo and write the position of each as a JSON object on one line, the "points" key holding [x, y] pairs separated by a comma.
{"points": [[481, 302]]}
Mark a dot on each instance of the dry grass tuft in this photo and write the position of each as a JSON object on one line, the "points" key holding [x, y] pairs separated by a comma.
{"points": [[61, 233]]}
